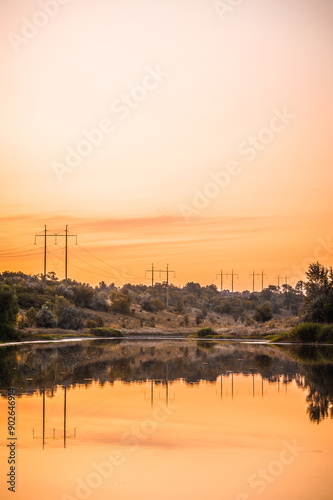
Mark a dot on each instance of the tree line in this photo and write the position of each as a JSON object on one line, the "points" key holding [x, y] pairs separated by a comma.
{"points": [[51, 303]]}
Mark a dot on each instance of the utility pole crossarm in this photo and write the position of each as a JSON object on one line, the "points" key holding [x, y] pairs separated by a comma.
{"points": [[232, 274], [56, 235]]}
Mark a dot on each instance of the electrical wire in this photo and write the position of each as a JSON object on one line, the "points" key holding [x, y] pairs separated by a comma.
{"points": [[16, 248], [109, 265]]}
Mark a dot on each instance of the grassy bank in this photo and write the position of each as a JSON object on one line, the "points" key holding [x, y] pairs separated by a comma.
{"points": [[306, 333]]}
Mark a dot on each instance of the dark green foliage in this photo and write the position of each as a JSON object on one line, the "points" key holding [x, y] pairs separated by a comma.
{"points": [[263, 313], [70, 319], [199, 318], [206, 332], [106, 332], [9, 334], [312, 332], [83, 295], [121, 302], [45, 319], [31, 316], [30, 299], [318, 301], [8, 307]]}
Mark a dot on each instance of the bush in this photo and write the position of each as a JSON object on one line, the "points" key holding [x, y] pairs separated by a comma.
{"points": [[83, 295], [27, 300], [8, 307], [106, 332], [94, 322], [70, 319], [99, 303], [312, 332], [60, 304], [206, 332], [9, 334], [148, 305], [121, 302], [45, 319], [31, 316], [199, 318], [263, 313]]}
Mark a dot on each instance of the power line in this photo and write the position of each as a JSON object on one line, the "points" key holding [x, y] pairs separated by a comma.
{"points": [[15, 248], [92, 265], [112, 267]]}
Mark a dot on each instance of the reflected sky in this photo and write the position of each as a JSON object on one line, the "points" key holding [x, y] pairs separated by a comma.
{"points": [[159, 419]]}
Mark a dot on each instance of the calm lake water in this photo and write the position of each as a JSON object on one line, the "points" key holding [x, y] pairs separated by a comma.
{"points": [[179, 419]]}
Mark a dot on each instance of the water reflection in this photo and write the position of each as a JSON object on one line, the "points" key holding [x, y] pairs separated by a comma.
{"points": [[41, 369]]}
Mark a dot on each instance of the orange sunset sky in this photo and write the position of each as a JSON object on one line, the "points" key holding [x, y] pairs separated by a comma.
{"points": [[182, 92]]}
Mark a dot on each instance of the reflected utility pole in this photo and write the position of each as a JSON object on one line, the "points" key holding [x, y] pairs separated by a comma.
{"points": [[65, 437], [152, 393], [167, 386]]}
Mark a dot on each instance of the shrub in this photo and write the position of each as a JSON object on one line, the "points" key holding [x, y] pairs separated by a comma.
{"points": [[31, 316], [312, 332], [99, 303], [199, 318], [70, 319], [45, 318], [148, 305], [263, 313], [121, 302], [8, 307], [83, 295], [28, 299], [60, 304], [9, 334], [206, 332], [106, 332]]}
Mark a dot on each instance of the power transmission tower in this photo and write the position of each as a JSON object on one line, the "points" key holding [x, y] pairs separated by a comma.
{"points": [[221, 275], [262, 279], [45, 236], [253, 277], [232, 274], [66, 236], [167, 271]]}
